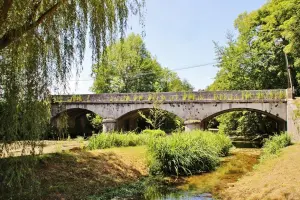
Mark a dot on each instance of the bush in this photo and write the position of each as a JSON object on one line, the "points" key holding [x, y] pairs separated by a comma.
{"points": [[187, 153], [220, 142], [274, 144], [108, 140], [154, 133]]}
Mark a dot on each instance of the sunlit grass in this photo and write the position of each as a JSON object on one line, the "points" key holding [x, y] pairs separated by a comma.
{"points": [[273, 146]]}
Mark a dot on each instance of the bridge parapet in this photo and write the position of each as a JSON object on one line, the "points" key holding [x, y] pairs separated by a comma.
{"points": [[278, 95]]}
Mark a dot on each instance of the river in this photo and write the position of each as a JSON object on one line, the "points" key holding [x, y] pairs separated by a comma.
{"points": [[208, 186]]}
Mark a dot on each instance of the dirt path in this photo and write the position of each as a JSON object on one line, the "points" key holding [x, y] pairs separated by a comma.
{"points": [[278, 178], [49, 146]]}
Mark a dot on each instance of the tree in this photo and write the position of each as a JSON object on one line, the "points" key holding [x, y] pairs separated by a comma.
{"points": [[254, 61], [156, 116], [41, 41], [129, 67]]}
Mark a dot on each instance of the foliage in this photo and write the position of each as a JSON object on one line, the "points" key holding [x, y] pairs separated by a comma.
{"points": [[95, 120], [108, 140], [253, 61], [221, 142], [145, 188], [228, 123], [179, 123], [156, 115], [62, 125], [18, 176], [154, 133], [246, 123], [130, 67], [185, 154], [274, 145], [41, 42]]}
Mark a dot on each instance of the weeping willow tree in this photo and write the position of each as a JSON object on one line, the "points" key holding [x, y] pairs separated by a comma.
{"points": [[41, 42]]}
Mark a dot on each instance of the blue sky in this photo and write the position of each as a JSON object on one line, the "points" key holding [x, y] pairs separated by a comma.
{"points": [[180, 34]]}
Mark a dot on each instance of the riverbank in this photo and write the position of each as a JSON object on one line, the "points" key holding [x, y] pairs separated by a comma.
{"points": [[78, 174], [278, 178], [123, 173]]}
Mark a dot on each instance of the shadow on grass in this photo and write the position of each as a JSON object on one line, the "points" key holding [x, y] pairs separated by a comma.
{"points": [[75, 175]]}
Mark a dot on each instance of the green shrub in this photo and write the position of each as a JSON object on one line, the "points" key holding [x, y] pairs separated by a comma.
{"points": [[154, 133], [220, 142], [108, 140], [187, 153], [274, 144]]}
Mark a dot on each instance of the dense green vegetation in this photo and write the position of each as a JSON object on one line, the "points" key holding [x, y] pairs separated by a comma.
{"points": [[154, 133], [145, 188], [117, 139], [186, 154], [130, 67], [254, 60], [109, 140], [41, 42], [178, 154], [273, 146]]}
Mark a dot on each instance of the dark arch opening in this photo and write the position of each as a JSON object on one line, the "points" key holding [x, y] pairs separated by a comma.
{"points": [[73, 122], [245, 124], [132, 121], [274, 117]]}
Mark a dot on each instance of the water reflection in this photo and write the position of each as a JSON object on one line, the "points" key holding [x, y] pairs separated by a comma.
{"points": [[247, 144], [204, 196], [206, 186]]}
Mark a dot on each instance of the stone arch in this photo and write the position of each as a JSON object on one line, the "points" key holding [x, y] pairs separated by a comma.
{"points": [[276, 117], [78, 124], [131, 120]]}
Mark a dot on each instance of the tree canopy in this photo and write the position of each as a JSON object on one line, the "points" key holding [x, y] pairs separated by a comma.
{"points": [[129, 67], [254, 60], [41, 41]]}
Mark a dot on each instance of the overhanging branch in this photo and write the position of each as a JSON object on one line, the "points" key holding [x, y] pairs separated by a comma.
{"points": [[15, 34], [4, 10]]}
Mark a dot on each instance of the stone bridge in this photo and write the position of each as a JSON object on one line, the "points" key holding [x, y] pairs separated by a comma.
{"points": [[119, 111]]}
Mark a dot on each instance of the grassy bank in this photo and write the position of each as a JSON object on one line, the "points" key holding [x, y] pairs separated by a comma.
{"points": [[273, 146], [79, 174], [176, 154], [275, 177]]}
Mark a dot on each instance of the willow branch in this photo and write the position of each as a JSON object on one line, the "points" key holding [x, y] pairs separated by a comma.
{"points": [[15, 34], [4, 10]]}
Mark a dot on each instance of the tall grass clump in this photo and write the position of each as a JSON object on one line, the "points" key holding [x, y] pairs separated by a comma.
{"points": [[274, 144], [108, 140], [187, 153], [154, 133], [220, 142]]}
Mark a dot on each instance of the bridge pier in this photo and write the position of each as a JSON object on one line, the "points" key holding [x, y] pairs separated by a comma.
{"points": [[191, 125], [109, 125], [293, 119], [203, 125]]}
